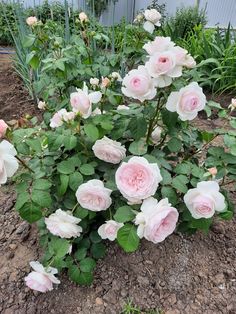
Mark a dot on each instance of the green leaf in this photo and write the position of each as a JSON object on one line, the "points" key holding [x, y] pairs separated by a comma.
{"points": [[95, 237], [180, 182], [166, 177], [70, 142], [30, 212], [184, 168], [60, 247], [85, 279], [87, 169], [64, 179], [41, 198], [80, 253], [91, 131], [170, 193], [65, 167], [127, 238], [138, 147], [74, 273], [138, 127], [81, 213], [59, 64], [202, 224], [227, 215], [87, 265], [207, 136], [98, 250], [124, 214], [76, 179], [28, 41], [174, 145], [22, 198], [42, 184]]}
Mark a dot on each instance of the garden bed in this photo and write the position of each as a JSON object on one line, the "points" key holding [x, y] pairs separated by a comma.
{"points": [[184, 274]]}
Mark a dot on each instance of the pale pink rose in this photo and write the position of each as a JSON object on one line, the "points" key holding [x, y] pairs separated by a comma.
{"points": [[162, 66], [183, 58], [31, 20], [109, 150], [137, 179], [42, 105], [157, 220], [3, 128], [160, 44], [8, 162], [83, 17], [204, 200], [41, 279], [105, 82], [63, 224], [109, 230], [69, 116], [61, 116], [152, 17], [94, 196], [213, 171], [138, 84], [187, 102], [156, 135], [81, 101]]}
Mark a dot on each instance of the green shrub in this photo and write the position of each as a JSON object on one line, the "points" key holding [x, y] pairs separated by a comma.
{"points": [[184, 22]]}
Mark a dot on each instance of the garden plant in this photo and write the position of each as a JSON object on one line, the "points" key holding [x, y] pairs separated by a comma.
{"points": [[117, 156]]}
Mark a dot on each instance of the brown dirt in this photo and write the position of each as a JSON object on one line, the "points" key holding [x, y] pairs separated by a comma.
{"points": [[183, 275], [14, 99]]}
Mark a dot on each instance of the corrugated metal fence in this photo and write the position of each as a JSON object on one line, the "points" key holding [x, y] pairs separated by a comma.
{"points": [[219, 12]]}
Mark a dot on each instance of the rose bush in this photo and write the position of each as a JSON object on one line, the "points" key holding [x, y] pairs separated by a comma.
{"points": [[117, 159]]}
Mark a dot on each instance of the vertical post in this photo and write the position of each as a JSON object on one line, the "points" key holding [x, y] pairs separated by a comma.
{"points": [[197, 3]]}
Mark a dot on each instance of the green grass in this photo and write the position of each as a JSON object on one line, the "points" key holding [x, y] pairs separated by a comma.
{"points": [[131, 308]]}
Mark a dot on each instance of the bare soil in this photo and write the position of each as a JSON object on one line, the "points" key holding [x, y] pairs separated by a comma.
{"points": [[183, 275]]}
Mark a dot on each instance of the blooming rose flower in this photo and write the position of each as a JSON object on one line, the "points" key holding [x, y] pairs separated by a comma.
{"points": [[160, 44], [109, 150], [187, 101], [153, 18], [109, 230], [157, 220], [31, 20], [3, 128], [81, 101], [83, 17], [41, 279], [8, 163], [60, 116], [204, 200], [138, 84], [183, 58], [42, 105], [94, 81], [122, 107], [137, 179], [162, 66], [94, 196], [156, 135], [63, 224]]}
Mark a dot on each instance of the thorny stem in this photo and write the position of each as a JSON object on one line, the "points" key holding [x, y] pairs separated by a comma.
{"points": [[152, 121], [24, 164]]}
